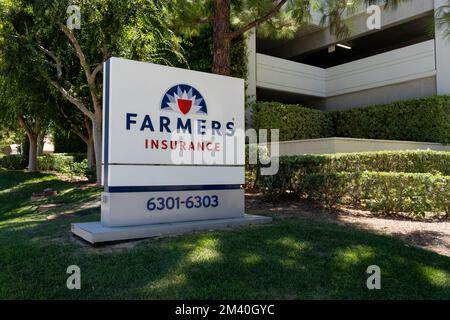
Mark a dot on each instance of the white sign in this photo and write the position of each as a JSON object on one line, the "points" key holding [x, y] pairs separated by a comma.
{"points": [[173, 144]]}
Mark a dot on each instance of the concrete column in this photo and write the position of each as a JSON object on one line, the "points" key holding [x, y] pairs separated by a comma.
{"points": [[442, 56], [251, 75]]}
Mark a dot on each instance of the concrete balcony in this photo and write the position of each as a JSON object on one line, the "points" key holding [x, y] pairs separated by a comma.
{"points": [[401, 65]]}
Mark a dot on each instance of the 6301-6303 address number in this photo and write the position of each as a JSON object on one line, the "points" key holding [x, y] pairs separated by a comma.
{"points": [[175, 203]]}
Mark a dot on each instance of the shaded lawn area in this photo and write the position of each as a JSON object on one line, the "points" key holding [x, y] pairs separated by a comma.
{"points": [[291, 258]]}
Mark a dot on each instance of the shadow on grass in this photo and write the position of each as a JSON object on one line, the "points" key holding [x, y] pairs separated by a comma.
{"points": [[16, 188], [291, 258]]}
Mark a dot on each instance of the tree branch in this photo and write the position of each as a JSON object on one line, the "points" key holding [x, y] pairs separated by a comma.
{"points": [[272, 13], [57, 62], [82, 58], [78, 50], [75, 129], [23, 123], [80, 105], [97, 69]]}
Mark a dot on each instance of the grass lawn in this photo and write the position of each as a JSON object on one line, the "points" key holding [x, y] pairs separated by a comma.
{"points": [[291, 258]]}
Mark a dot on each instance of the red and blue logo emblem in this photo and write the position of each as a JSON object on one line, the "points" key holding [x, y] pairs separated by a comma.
{"points": [[185, 99]]}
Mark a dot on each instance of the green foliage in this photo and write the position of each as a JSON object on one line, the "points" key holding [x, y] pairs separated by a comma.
{"points": [[328, 188], [413, 194], [424, 120], [76, 169], [66, 141], [421, 161], [412, 182], [294, 121], [12, 162], [293, 169], [198, 48], [70, 164], [10, 136], [187, 17]]}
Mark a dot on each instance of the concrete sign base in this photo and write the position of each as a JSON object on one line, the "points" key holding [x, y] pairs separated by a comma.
{"points": [[95, 232], [144, 208]]}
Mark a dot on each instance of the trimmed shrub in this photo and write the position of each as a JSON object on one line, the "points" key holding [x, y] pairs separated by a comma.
{"points": [[422, 161], [293, 169], [58, 161], [294, 121], [424, 120], [12, 162], [382, 192], [413, 182], [412, 193], [328, 188]]}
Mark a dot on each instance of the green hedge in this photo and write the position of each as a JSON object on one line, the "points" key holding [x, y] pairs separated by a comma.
{"points": [[423, 120], [411, 182], [293, 169], [382, 192], [385, 161], [59, 161], [294, 121], [72, 164], [12, 162]]}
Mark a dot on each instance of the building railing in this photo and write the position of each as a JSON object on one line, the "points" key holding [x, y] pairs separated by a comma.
{"points": [[396, 66]]}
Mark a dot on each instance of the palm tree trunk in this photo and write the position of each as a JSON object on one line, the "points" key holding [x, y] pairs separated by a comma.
{"points": [[221, 32]]}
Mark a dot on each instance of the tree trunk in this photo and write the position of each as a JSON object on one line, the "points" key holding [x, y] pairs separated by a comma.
{"points": [[90, 153], [221, 34], [32, 156], [97, 140], [40, 143]]}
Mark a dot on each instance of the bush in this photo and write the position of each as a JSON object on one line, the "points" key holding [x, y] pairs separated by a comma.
{"points": [[294, 121], [382, 192], [74, 164], [58, 161], [424, 120], [413, 193], [76, 169], [12, 162], [425, 161], [293, 169], [413, 182], [329, 188]]}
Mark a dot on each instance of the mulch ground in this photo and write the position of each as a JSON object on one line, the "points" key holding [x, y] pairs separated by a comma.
{"points": [[429, 235]]}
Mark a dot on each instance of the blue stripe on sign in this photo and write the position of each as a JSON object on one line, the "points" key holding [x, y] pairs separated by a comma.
{"points": [[123, 189], [106, 133]]}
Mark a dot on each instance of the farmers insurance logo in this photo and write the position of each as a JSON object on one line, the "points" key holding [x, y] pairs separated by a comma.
{"points": [[185, 99]]}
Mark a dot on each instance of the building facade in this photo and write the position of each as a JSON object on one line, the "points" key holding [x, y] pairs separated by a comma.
{"points": [[406, 58]]}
